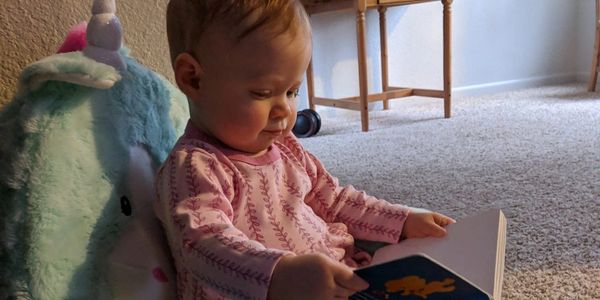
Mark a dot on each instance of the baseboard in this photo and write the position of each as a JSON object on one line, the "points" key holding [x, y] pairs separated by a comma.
{"points": [[503, 86]]}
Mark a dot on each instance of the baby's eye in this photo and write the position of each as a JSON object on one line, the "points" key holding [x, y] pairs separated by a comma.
{"points": [[293, 93], [261, 94]]}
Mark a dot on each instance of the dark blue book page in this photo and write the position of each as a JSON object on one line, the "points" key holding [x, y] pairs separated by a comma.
{"points": [[415, 278]]}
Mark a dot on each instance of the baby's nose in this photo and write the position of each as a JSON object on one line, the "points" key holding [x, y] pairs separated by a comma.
{"points": [[282, 108]]}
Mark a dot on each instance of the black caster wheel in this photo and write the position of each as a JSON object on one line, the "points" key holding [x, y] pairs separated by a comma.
{"points": [[308, 123]]}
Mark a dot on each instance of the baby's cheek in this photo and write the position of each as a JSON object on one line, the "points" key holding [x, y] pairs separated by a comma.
{"points": [[291, 121]]}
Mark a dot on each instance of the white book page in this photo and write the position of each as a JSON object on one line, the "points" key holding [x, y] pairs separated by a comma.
{"points": [[470, 249]]}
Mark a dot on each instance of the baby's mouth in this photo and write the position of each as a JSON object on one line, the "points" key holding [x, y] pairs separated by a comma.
{"points": [[274, 132]]}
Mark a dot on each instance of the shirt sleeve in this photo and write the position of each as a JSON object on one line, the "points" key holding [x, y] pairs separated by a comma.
{"points": [[366, 217], [195, 193]]}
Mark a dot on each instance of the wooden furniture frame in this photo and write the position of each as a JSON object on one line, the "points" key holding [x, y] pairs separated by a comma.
{"points": [[596, 58], [361, 103]]}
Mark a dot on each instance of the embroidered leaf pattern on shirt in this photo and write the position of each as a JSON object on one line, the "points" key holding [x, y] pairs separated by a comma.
{"points": [[182, 281], [238, 185], [221, 212], [192, 204], [236, 293], [319, 229], [245, 247], [386, 212], [251, 214], [291, 187], [323, 207], [289, 158], [198, 218], [226, 189], [311, 175], [225, 265], [200, 292], [293, 147], [280, 232], [174, 199], [276, 171], [190, 177], [289, 211], [369, 227]]}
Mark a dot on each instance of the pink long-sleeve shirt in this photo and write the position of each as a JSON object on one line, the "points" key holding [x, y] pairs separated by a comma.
{"points": [[230, 217]]}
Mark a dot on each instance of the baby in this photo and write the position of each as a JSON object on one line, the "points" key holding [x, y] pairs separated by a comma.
{"points": [[248, 212]]}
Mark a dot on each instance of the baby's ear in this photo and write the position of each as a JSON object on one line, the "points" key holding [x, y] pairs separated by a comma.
{"points": [[188, 74]]}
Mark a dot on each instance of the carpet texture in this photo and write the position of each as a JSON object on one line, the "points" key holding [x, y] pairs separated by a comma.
{"points": [[534, 153]]}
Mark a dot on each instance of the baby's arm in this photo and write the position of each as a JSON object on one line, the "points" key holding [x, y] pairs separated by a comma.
{"points": [[366, 217]]}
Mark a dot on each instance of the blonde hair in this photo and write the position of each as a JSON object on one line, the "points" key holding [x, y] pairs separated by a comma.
{"points": [[188, 19]]}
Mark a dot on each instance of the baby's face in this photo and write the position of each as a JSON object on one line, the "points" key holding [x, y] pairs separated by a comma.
{"points": [[249, 88]]}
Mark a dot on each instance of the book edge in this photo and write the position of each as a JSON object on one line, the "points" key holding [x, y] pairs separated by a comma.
{"points": [[500, 257]]}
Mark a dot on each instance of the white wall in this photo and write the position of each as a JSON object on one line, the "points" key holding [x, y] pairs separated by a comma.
{"points": [[497, 45], [585, 28]]}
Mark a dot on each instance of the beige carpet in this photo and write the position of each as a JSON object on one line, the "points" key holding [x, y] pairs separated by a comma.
{"points": [[535, 153]]}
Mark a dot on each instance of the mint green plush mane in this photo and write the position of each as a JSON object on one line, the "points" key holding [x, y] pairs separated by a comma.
{"points": [[65, 140]]}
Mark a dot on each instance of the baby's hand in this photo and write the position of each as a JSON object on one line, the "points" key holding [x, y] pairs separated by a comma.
{"points": [[421, 224], [313, 276]]}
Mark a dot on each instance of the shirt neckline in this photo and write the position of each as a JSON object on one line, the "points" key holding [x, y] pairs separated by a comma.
{"points": [[272, 154]]}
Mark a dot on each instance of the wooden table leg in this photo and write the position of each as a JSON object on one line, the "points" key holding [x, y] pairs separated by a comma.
{"points": [[384, 54], [447, 57], [594, 73], [310, 86], [362, 63]]}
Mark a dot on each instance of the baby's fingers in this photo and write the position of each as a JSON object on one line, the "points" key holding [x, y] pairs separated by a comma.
{"points": [[442, 220], [345, 279], [436, 230]]}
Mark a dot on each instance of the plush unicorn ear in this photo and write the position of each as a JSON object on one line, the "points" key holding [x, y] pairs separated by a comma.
{"points": [[104, 35]]}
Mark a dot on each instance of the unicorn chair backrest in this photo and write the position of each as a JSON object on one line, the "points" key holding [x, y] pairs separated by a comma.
{"points": [[81, 140]]}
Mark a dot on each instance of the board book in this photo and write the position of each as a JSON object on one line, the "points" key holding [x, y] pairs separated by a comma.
{"points": [[468, 263]]}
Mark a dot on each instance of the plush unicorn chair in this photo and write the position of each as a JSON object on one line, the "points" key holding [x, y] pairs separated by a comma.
{"points": [[80, 143]]}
